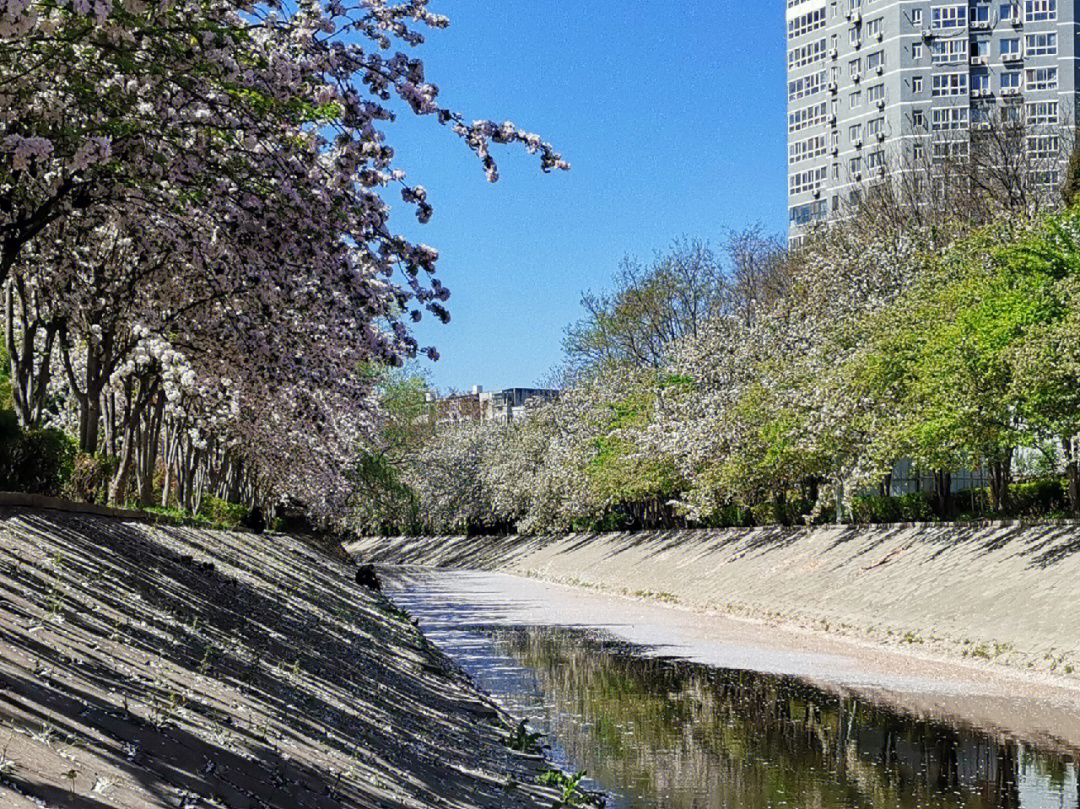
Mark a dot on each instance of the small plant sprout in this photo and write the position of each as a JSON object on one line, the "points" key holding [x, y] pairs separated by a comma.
{"points": [[7, 766], [570, 785], [523, 741]]}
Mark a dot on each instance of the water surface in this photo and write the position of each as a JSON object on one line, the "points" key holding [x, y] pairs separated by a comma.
{"points": [[654, 730]]}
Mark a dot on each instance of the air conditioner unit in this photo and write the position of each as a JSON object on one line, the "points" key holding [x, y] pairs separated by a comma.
{"points": [[833, 53], [832, 87], [817, 193], [856, 78], [832, 119], [977, 25], [856, 16], [857, 175], [881, 136], [978, 60], [981, 125], [880, 35], [881, 171], [1010, 91], [1011, 57], [857, 44], [1017, 22], [881, 104], [857, 143], [927, 33], [835, 150], [880, 69]]}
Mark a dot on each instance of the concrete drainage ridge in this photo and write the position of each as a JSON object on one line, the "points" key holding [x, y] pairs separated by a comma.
{"points": [[992, 592]]}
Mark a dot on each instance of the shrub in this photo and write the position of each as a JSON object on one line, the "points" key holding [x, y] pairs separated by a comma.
{"points": [[222, 513], [36, 462], [89, 481], [1037, 498], [911, 507]]}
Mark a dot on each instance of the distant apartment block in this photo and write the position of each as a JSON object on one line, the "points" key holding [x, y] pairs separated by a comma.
{"points": [[872, 82], [502, 406]]}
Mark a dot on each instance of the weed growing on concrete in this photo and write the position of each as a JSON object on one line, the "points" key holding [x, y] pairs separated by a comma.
{"points": [[572, 793], [524, 741]]}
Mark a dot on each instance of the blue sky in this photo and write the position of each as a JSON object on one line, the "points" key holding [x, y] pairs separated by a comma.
{"points": [[672, 114]]}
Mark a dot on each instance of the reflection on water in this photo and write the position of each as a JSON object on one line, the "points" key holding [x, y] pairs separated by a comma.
{"points": [[665, 733], [656, 732]]}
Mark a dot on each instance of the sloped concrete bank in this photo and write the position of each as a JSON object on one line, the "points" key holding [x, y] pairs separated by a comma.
{"points": [[999, 593], [154, 666]]}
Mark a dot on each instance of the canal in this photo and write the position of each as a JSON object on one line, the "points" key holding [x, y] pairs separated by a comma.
{"points": [[664, 709]]}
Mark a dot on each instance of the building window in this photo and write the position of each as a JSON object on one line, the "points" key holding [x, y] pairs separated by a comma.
{"points": [[806, 23], [806, 117], [1044, 146], [855, 165], [916, 17], [875, 127], [948, 118], [918, 120], [981, 115], [949, 84], [1041, 45], [1009, 12], [1009, 47], [875, 60], [805, 214], [1048, 177], [980, 82], [916, 50], [854, 68], [856, 99], [950, 150], [917, 151], [1010, 80], [1042, 113], [1041, 78], [1010, 114], [855, 132], [980, 16], [809, 180], [806, 149], [875, 93], [916, 84], [875, 160], [874, 27], [806, 86], [1039, 10], [949, 51], [807, 54], [946, 17], [980, 49]]}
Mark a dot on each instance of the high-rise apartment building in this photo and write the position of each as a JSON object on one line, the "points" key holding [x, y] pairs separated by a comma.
{"points": [[872, 81]]}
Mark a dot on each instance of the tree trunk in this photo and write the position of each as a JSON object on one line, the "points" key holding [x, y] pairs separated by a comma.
{"points": [[118, 488], [943, 493], [1000, 476], [1072, 472]]}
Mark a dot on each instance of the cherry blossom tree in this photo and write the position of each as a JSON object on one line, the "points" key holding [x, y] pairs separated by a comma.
{"points": [[194, 231]]}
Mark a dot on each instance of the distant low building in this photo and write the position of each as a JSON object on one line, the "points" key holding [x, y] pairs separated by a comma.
{"points": [[511, 404], [503, 406]]}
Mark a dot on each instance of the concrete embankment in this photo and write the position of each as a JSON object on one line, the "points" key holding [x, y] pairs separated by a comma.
{"points": [[997, 592], [151, 666]]}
